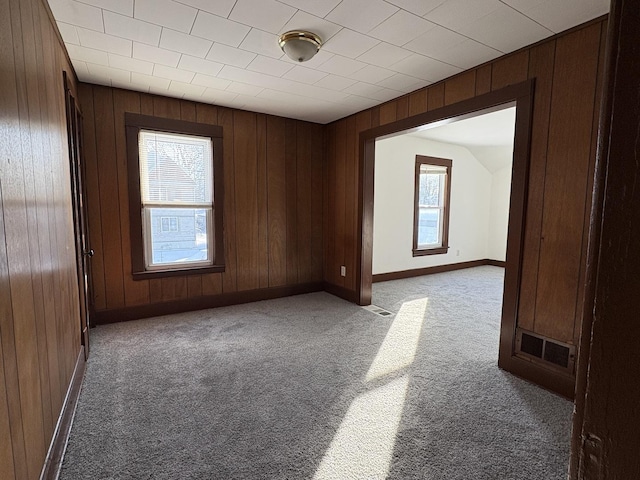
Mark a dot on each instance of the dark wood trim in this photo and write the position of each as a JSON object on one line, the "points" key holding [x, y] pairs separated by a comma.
{"points": [[55, 455], [496, 263], [344, 293], [134, 122], [441, 162], [200, 303], [550, 379], [418, 272]]}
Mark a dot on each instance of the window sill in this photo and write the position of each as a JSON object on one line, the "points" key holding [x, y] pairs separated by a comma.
{"points": [[429, 251], [177, 272]]}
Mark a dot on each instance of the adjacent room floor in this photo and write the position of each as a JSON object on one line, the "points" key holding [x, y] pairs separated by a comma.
{"points": [[315, 387]]}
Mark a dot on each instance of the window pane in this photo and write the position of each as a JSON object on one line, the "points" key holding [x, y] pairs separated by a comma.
{"points": [[431, 189], [428, 226], [175, 168], [184, 240]]}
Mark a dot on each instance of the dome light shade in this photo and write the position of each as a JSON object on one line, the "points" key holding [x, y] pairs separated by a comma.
{"points": [[299, 45]]}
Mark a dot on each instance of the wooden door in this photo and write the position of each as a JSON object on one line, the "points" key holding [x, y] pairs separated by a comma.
{"points": [[83, 249]]}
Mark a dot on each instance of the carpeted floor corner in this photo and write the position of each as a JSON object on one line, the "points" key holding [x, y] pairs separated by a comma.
{"points": [[314, 387]]}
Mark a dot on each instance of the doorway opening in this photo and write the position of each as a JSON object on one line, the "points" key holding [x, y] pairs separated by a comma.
{"points": [[519, 97]]}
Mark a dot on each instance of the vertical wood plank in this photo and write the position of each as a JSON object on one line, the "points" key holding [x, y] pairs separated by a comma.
{"points": [[509, 70], [329, 217], [93, 196], [262, 199], [340, 190], [402, 107], [351, 203], [317, 169], [291, 176], [388, 112], [211, 283], [483, 79], [135, 292], [303, 202], [461, 87], [225, 119], [109, 213], [246, 187], [541, 68], [277, 200], [435, 96], [375, 116], [418, 102], [572, 104]]}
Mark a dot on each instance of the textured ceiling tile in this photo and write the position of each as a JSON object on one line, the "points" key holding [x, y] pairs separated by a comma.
{"points": [[454, 14], [222, 8], [150, 81], [400, 28], [127, 27], [267, 15], [172, 73], [155, 55], [404, 83], [341, 66], [305, 21], [350, 44], [269, 66], [78, 14], [425, 68], [372, 74], [244, 89], [469, 54], [108, 72], [76, 52], [560, 16], [304, 75], [316, 7], [183, 43], [210, 82], [419, 7], [363, 89], [435, 41], [384, 55], [361, 15], [219, 29], [334, 82], [188, 89], [102, 41], [199, 65], [515, 30], [124, 7], [131, 64], [261, 42], [230, 56], [166, 13], [69, 33]]}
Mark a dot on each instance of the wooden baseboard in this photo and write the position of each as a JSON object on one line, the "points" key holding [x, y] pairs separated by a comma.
{"points": [[418, 272], [55, 455], [201, 303], [344, 293], [554, 381]]}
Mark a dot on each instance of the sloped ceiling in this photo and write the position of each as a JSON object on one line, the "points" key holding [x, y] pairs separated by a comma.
{"points": [[225, 52]]}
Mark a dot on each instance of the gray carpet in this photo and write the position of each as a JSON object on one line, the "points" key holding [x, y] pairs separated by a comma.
{"points": [[314, 387]]}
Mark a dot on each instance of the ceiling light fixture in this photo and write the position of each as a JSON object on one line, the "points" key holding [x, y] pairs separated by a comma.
{"points": [[299, 45]]}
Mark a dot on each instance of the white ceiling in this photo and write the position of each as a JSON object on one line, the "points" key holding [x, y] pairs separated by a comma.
{"points": [[226, 51], [489, 137]]}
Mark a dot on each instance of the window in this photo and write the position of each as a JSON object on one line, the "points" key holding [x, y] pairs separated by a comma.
{"points": [[175, 196], [431, 213]]}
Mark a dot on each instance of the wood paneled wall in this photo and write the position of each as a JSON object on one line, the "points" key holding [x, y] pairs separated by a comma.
{"points": [[568, 71], [39, 309], [273, 170]]}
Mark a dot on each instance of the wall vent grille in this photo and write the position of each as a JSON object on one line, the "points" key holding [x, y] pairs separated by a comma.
{"points": [[545, 349]]}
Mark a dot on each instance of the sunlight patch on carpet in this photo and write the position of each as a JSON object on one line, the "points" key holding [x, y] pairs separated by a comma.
{"points": [[363, 445]]}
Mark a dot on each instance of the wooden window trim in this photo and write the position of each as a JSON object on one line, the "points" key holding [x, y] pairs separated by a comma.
{"points": [[444, 248], [133, 124]]}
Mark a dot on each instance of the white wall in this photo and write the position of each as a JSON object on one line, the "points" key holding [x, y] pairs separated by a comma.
{"points": [[499, 214], [393, 205]]}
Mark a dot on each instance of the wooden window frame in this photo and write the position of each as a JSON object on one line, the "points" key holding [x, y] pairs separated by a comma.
{"points": [[446, 208], [133, 124]]}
